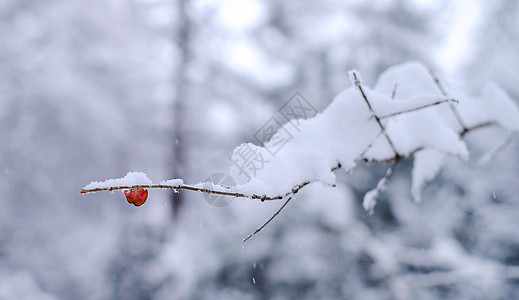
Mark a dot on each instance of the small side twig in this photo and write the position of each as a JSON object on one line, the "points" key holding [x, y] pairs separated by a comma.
{"points": [[418, 108], [368, 147], [370, 198], [393, 94], [460, 275], [268, 221], [359, 86], [474, 127], [443, 91], [494, 153]]}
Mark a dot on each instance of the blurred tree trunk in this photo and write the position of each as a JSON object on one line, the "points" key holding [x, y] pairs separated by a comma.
{"points": [[182, 42]]}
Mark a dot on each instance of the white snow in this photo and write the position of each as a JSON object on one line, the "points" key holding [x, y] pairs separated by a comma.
{"points": [[173, 182], [346, 131], [370, 199], [132, 178], [493, 105], [411, 79], [427, 163]]}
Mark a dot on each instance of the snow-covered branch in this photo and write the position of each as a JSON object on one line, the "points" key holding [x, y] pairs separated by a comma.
{"points": [[418, 108], [358, 83], [370, 198], [217, 189], [382, 124]]}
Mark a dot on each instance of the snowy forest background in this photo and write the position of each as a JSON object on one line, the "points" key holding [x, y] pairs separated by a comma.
{"points": [[90, 90]]}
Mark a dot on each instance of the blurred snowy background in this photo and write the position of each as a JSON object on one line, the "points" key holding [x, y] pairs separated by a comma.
{"points": [[90, 90]]}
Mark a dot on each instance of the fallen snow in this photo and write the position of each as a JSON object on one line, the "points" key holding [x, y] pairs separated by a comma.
{"points": [[172, 182], [132, 178], [346, 132]]}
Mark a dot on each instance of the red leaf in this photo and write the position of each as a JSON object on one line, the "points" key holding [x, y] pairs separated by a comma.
{"points": [[136, 196]]}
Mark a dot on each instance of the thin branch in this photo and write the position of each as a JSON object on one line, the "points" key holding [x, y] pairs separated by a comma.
{"points": [[493, 154], [393, 94], [389, 159], [196, 189], [294, 190], [369, 147], [181, 187], [443, 91], [461, 275], [371, 196], [359, 86], [437, 81], [418, 108], [474, 127], [412, 152], [266, 223]]}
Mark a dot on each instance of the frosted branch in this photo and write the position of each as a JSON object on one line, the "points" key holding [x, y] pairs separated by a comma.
{"points": [[418, 108], [493, 154], [268, 221], [393, 94], [222, 190], [196, 188], [461, 275], [348, 133], [218, 190], [357, 83], [370, 198], [443, 91]]}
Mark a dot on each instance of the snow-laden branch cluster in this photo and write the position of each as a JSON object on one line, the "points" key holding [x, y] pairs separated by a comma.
{"points": [[408, 113]]}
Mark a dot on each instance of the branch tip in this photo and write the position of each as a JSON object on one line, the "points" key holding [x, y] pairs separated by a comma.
{"points": [[268, 221]]}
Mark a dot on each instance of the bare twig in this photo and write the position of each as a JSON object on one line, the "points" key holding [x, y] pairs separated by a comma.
{"points": [[461, 275], [418, 108], [266, 223], [192, 188], [294, 190], [393, 94], [442, 90], [368, 147], [359, 86], [474, 127], [371, 196], [491, 155]]}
